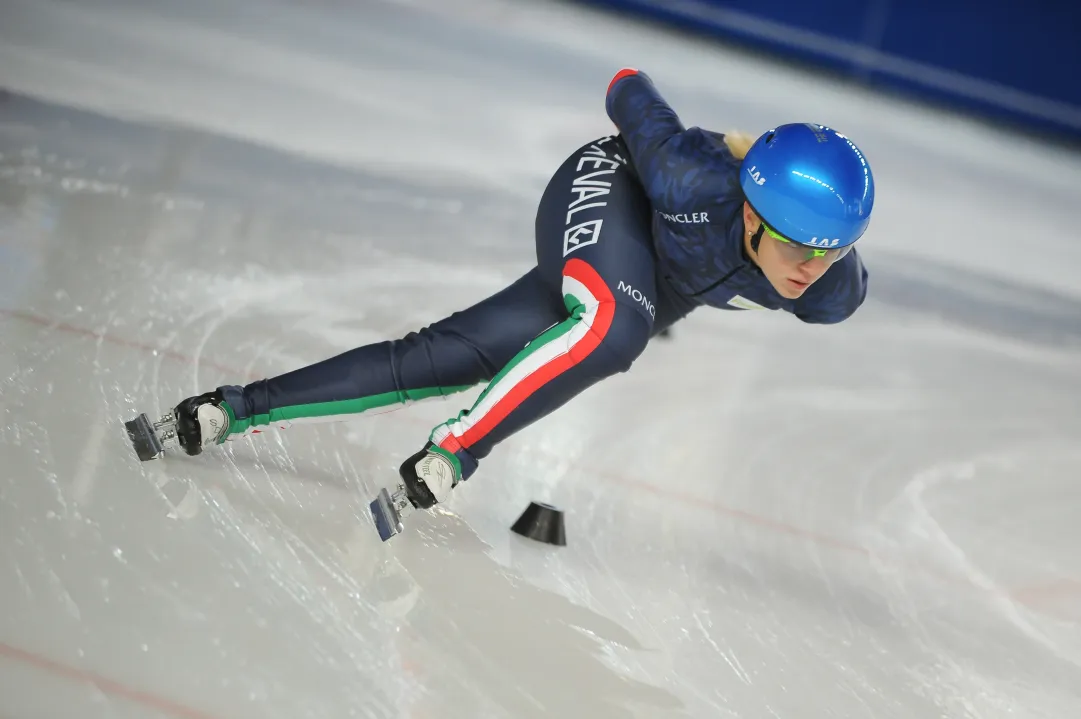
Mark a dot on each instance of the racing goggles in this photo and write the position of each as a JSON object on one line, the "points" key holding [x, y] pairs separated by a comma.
{"points": [[796, 253]]}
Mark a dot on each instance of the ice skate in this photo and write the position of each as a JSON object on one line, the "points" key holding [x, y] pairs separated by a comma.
{"points": [[427, 479], [194, 424]]}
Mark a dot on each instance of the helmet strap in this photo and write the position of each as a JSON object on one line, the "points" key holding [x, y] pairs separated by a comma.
{"points": [[756, 238]]}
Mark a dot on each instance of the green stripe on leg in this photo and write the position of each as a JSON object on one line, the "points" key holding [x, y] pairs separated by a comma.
{"points": [[574, 306], [542, 339], [339, 408]]}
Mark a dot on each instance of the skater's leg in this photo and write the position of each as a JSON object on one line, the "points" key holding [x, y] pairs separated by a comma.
{"points": [[602, 335], [449, 356], [593, 244], [452, 355]]}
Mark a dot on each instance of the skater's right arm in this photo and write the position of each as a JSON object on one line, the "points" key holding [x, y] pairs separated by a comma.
{"points": [[672, 162]]}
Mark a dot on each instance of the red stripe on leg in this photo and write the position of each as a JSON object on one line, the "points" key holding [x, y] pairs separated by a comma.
{"points": [[582, 272]]}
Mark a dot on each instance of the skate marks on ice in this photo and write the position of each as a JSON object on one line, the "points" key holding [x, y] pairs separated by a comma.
{"points": [[241, 312], [513, 648], [996, 522], [475, 633], [170, 166], [285, 520], [474, 636], [276, 599], [305, 459], [255, 553], [237, 188], [484, 636]]}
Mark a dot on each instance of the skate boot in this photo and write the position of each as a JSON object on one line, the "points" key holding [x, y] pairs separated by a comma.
{"points": [[426, 480], [194, 424], [201, 422]]}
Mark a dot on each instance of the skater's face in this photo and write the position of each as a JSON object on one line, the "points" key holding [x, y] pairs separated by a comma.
{"points": [[791, 268]]}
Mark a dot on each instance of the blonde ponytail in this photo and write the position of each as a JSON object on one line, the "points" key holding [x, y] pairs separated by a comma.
{"points": [[739, 143]]}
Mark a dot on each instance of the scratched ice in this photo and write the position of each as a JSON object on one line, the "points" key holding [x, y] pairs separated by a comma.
{"points": [[764, 519]]}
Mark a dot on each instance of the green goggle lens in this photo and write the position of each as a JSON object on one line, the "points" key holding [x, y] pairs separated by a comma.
{"points": [[803, 253]]}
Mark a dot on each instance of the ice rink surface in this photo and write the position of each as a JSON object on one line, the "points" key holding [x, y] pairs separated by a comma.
{"points": [[764, 519]]}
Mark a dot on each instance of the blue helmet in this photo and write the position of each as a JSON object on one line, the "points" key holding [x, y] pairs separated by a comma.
{"points": [[810, 184]]}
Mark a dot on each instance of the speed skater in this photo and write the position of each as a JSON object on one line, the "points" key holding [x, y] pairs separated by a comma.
{"points": [[633, 232]]}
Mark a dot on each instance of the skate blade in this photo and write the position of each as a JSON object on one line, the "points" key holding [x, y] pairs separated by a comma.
{"points": [[144, 439], [387, 515]]}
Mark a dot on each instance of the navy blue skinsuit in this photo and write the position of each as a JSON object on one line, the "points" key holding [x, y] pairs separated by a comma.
{"points": [[633, 232]]}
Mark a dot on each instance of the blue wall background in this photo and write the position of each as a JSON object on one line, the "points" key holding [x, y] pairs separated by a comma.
{"points": [[1008, 59]]}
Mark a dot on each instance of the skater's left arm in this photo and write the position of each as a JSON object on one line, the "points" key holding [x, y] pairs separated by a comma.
{"points": [[673, 163], [837, 294], [647, 123]]}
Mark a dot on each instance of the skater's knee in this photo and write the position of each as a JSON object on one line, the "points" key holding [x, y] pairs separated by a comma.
{"points": [[625, 339], [618, 333]]}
